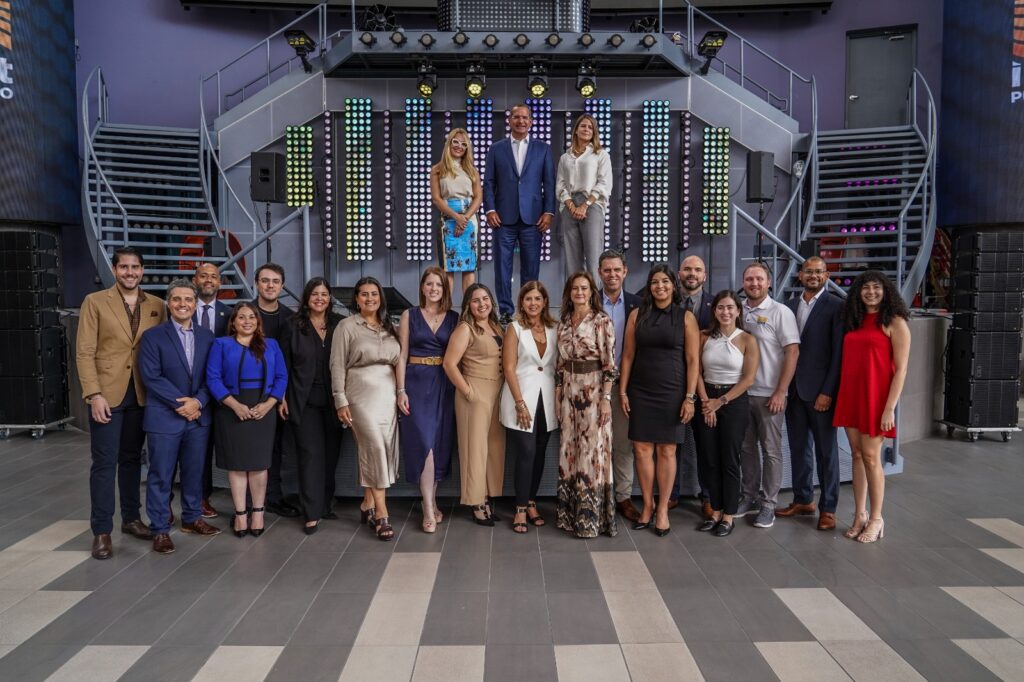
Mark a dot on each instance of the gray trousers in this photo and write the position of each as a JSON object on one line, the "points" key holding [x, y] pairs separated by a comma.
{"points": [[622, 449], [762, 483], [583, 241]]}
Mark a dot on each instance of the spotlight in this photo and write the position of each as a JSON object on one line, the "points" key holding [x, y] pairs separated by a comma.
{"points": [[616, 40], [586, 40], [398, 38], [521, 40], [586, 80], [538, 82], [709, 46], [491, 40], [476, 80], [553, 40], [648, 40], [426, 79], [427, 40], [302, 44], [460, 38], [367, 38]]}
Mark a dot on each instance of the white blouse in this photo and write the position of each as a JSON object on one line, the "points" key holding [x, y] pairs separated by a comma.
{"points": [[589, 173], [536, 376]]}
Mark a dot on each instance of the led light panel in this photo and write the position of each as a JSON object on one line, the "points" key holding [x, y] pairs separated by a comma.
{"points": [[627, 176], [358, 179], [540, 112], [328, 203], [601, 111], [715, 200], [419, 213], [298, 146], [480, 126], [685, 131], [654, 172], [389, 180]]}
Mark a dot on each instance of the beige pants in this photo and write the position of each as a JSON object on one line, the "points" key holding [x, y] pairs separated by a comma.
{"points": [[481, 441]]}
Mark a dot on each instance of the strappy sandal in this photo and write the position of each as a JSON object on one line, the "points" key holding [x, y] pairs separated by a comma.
{"points": [[245, 531], [873, 531], [383, 529], [857, 527], [489, 503], [366, 515], [520, 526], [486, 519], [537, 520], [255, 532]]}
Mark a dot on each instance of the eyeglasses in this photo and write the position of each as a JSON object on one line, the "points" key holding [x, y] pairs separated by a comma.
{"points": [[460, 144]]}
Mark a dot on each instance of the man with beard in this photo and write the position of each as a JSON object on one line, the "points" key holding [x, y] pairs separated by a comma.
{"points": [[107, 349], [819, 316]]}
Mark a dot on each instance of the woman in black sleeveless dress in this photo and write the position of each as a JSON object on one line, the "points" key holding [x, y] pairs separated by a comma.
{"points": [[660, 363]]}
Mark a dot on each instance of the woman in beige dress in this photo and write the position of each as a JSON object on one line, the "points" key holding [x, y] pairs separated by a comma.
{"points": [[473, 363], [456, 192], [364, 353]]}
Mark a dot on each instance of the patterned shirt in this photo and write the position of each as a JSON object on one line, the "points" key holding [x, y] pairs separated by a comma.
{"points": [[134, 318]]}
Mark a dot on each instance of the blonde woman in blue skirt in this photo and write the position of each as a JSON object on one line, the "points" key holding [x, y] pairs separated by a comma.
{"points": [[457, 194]]}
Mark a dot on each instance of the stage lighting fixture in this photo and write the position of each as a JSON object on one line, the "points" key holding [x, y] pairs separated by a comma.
{"points": [[476, 80], [601, 111], [709, 46], [298, 146], [426, 79], [553, 40], [521, 40], [616, 40], [302, 44], [398, 38], [427, 40], [715, 199], [460, 38], [648, 40], [367, 38], [654, 164], [538, 83], [586, 80], [491, 40], [419, 225], [586, 40], [358, 215], [389, 161], [480, 126]]}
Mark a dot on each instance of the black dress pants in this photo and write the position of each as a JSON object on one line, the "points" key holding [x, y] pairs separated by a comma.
{"points": [[530, 447], [317, 446], [719, 454]]}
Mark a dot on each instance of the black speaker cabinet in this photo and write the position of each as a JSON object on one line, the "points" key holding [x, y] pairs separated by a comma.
{"points": [[989, 281], [983, 355], [989, 301], [29, 280], [28, 241], [266, 177], [31, 352], [27, 260], [41, 400], [988, 322], [981, 404], [989, 261], [28, 300], [990, 241], [760, 176]]}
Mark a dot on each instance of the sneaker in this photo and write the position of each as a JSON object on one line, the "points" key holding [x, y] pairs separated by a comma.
{"points": [[745, 507], [765, 519]]}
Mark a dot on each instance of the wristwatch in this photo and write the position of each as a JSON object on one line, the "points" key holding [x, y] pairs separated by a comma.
{"points": [[607, 396], [724, 399], [691, 397]]}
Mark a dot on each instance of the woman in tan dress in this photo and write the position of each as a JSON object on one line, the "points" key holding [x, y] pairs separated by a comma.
{"points": [[583, 384], [364, 353], [473, 363]]}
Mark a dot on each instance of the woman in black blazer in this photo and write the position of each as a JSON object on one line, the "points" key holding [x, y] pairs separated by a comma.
{"points": [[308, 407]]}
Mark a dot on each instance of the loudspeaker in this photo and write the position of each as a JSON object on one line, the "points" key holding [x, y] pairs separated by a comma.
{"points": [[990, 241], [266, 177], [989, 261], [989, 301], [970, 280], [32, 352], [988, 322], [760, 176], [41, 400], [984, 355], [27, 260], [984, 404], [30, 280]]}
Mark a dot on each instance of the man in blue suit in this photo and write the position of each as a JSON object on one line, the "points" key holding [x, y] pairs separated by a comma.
{"points": [[172, 362], [812, 396], [519, 200]]}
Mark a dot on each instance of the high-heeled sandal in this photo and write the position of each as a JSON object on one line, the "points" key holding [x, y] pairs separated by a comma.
{"points": [[366, 515], [489, 503], [520, 527], [872, 532], [255, 532], [309, 530], [430, 521], [245, 531], [383, 529], [486, 519], [857, 527], [537, 520]]}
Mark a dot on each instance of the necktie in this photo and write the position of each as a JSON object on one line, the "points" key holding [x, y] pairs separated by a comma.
{"points": [[207, 322], [689, 304]]}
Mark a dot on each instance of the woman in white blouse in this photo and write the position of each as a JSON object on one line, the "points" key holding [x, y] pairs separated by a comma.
{"points": [[584, 184], [528, 398]]}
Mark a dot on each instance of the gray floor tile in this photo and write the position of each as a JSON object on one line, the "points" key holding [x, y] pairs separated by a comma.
{"points": [[83, 621], [146, 621], [209, 620], [569, 572], [990, 571], [554, 540], [763, 616], [702, 616], [201, 570], [777, 568], [580, 618], [91, 575], [831, 569], [674, 570], [516, 572], [884, 615], [304, 572], [358, 572], [464, 536], [730, 661], [463, 571], [455, 619], [941, 659], [514, 663], [414, 539], [169, 664], [271, 620], [518, 618], [946, 614], [331, 537], [309, 663], [30, 662], [332, 618], [725, 569]]}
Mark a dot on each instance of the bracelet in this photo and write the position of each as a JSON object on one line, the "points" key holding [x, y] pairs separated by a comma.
{"points": [[400, 391]]}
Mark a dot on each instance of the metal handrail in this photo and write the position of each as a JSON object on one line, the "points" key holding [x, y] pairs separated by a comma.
{"points": [[928, 203], [95, 235]]}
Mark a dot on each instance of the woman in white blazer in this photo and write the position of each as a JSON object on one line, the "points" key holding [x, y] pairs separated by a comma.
{"points": [[527, 406]]}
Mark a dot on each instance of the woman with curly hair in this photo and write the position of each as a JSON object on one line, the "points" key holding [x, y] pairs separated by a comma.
{"points": [[876, 349]]}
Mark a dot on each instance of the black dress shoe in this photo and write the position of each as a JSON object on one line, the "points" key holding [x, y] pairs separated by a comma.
{"points": [[137, 529], [282, 508], [707, 526], [722, 529]]}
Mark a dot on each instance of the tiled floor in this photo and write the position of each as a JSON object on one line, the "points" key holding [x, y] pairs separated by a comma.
{"points": [[940, 598]]}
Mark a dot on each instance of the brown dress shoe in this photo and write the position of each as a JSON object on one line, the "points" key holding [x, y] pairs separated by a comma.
{"points": [[628, 511], [101, 546], [199, 527], [796, 508], [705, 509], [672, 504], [162, 544], [827, 521], [137, 529], [208, 511]]}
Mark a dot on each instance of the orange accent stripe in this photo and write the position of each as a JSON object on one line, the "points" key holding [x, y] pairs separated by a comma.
{"points": [[5, 41], [1018, 36], [5, 13], [1018, 51], [5, 5]]}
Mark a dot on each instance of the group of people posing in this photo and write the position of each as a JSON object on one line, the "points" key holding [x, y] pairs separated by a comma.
{"points": [[627, 378]]}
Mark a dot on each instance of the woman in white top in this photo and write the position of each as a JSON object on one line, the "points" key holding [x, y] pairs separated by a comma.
{"points": [[729, 359], [528, 398], [583, 185], [457, 193]]}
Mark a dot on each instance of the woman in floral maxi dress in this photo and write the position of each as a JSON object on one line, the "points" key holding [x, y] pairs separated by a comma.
{"points": [[584, 376]]}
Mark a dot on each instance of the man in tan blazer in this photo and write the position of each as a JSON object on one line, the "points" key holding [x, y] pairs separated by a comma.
{"points": [[111, 326]]}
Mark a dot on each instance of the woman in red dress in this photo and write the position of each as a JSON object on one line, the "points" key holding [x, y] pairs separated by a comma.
{"points": [[875, 353]]}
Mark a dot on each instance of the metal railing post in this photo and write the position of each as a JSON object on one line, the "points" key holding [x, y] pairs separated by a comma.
{"points": [[732, 250]]}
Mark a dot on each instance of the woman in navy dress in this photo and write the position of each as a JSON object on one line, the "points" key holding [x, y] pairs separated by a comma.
{"points": [[426, 398]]}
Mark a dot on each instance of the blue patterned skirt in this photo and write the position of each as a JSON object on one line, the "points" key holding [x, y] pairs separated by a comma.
{"points": [[459, 251]]}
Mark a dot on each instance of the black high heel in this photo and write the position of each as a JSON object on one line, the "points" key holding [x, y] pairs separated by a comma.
{"points": [[537, 520], [487, 519], [245, 531], [662, 532], [643, 525], [489, 503], [520, 526], [312, 529], [255, 532]]}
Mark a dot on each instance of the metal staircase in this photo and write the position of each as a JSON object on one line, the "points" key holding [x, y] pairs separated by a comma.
{"points": [[141, 187]]}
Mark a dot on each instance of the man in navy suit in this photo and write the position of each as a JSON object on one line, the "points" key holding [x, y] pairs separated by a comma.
{"points": [[519, 200], [618, 304], [172, 362], [812, 396]]}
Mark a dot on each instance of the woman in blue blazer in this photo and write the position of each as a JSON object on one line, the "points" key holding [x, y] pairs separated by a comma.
{"points": [[246, 375]]}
